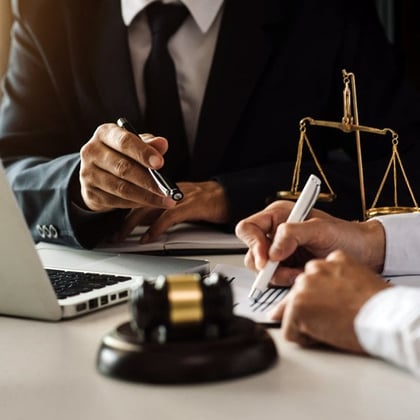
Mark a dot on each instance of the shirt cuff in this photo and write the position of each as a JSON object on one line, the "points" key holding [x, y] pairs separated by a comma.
{"points": [[388, 326], [402, 239]]}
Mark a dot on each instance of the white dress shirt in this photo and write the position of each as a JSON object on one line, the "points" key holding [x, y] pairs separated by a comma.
{"points": [[388, 325], [191, 48]]}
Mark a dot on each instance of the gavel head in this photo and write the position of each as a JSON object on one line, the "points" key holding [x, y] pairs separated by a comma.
{"points": [[182, 307]]}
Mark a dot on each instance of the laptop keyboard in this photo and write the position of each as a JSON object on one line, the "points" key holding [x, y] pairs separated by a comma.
{"points": [[72, 283]]}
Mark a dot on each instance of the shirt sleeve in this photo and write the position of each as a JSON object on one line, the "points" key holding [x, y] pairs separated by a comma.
{"points": [[388, 326], [402, 233]]}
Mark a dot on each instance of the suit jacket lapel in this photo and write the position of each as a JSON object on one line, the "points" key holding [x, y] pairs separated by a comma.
{"points": [[111, 64], [241, 54]]}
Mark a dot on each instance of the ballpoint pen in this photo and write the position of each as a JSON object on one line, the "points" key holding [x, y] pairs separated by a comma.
{"points": [[300, 210], [169, 188]]}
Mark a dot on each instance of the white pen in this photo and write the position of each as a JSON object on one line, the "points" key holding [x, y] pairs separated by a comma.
{"points": [[300, 210]]}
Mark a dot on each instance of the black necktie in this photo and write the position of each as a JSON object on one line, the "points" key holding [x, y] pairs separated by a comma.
{"points": [[163, 110]]}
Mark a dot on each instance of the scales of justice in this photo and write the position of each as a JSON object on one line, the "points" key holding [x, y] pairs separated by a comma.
{"points": [[350, 124]]}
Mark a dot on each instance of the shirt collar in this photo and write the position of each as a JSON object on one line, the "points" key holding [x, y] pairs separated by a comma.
{"points": [[204, 12]]}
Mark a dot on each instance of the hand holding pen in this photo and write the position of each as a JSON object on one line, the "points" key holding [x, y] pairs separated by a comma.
{"points": [[299, 212], [169, 188], [113, 172]]}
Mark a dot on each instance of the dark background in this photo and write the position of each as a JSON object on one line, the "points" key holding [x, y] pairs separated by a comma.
{"points": [[399, 17], [401, 21]]}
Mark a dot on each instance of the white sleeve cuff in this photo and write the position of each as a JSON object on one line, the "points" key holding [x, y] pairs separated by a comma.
{"points": [[402, 233], [388, 326]]}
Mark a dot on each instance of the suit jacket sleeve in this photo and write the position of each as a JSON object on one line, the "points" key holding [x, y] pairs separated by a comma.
{"points": [[41, 188], [39, 142]]}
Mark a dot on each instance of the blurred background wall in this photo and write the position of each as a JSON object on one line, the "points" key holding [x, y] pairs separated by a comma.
{"points": [[5, 22]]}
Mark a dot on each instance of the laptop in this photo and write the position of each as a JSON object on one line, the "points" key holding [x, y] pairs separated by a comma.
{"points": [[84, 281]]}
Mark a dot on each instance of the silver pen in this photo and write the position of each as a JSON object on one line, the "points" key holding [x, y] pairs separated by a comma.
{"points": [[300, 210], [169, 188]]}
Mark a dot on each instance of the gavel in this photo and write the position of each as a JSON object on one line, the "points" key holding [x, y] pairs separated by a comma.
{"points": [[182, 307]]}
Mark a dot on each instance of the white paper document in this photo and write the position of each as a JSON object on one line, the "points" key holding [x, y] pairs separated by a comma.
{"points": [[241, 280]]}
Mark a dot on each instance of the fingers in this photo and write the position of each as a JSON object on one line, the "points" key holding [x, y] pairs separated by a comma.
{"points": [[291, 311], [113, 170], [258, 230], [339, 256], [288, 313], [285, 242], [257, 242], [203, 202], [278, 312], [263, 223], [285, 276], [140, 216], [323, 303], [182, 212], [311, 235], [268, 236], [165, 221], [158, 143], [102, 191], [291, 247], [128, 144], [320, 236]]}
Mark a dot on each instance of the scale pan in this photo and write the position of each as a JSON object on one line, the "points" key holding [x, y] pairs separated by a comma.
{"points": [[383, 211]]}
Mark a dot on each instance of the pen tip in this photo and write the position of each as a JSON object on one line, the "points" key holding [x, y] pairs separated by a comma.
{"points": [[254, 294]]}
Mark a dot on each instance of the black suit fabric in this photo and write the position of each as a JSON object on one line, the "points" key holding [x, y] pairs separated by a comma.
{"points": [[275, 62]]}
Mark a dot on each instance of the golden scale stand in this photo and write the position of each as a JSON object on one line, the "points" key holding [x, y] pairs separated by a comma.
{"points": [[350, 124]]}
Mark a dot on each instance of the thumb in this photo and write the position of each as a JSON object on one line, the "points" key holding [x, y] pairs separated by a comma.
{"points": [[288, 237], [158, 143], [310, 234]]}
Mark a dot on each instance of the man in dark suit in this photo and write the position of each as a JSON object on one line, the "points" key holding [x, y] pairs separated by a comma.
{"points": [[75, 68]]}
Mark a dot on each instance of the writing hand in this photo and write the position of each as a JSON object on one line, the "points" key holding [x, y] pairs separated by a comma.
{"points": [[113, 170], [269, 237]]}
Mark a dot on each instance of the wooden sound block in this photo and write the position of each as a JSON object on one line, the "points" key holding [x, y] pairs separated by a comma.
{"points": [[245, 349]]}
